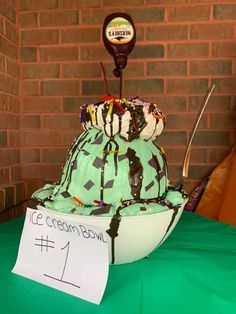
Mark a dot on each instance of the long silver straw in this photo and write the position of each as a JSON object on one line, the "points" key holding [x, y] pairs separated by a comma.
{"points": [[185, 166]]}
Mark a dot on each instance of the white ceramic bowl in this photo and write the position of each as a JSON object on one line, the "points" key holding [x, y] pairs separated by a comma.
{"points": [[137, 236]]}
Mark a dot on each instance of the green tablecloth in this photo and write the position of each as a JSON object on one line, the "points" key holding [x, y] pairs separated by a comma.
{"points": [[194, 271]]}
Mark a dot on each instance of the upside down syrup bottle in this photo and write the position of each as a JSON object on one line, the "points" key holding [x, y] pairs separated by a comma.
{"points": [[119, 38]]}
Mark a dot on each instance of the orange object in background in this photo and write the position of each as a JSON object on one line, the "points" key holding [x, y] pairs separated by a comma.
{"points": [[219, 198], [228, 209]]}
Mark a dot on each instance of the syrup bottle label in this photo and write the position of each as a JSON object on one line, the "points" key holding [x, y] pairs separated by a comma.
{"points": [[119, 31]]}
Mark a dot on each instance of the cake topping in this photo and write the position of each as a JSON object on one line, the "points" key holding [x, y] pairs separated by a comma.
{"points": [[131, 119]]}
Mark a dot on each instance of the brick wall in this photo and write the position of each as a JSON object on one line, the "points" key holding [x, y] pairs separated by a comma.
{"points": [[182, 48], [11, 188]]}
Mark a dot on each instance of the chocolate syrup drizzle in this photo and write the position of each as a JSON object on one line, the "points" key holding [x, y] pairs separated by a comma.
{"points": [[135, 181], [137, 121], [72, 150], [106, 150], [135, 173]]}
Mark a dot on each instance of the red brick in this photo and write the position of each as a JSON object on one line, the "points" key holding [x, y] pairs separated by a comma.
{"points": [[147, 51], [32, 185], [9, 121], [211, 67], [121, 3], [172, 138], [2, 203], [94, 16], [3, 138], [133, 70], [139, 34], [224, 85], [211, 31], [167, 1], [184, 121], [9, 196], [217, 155], [187, 86], [12, 3], [224, 11], [80, 35], [4, 176], [47, 172], [69, 136], [199, 172], [41, 104], [27, 54], [14, 138], [1, 25], [69, 4], [13, 103], [29, 155], [189, 50], [60, 88], [223, 120], [169, 68], [39, 37], [7, 11], [44, 138], [169, 104], [28, 19], [19, 192], [32, 71], [9, 85], [8, 48], [2, 63], [54, 155], [176, 155], [11, 32], [174, 172], [92, 88], [73, 104], [15, 156], [31, 122], [38, 5], [12, 68], [187, 13], [81, 70], [91, 53], [225, 49], [145, 15], [58, 53], [59, 122], [232, 140], [3, 102], [131, 87], [167, 32], [211, 138], [216, 103], [29, 88], [233, 107], [143, 87], [59, 18]]}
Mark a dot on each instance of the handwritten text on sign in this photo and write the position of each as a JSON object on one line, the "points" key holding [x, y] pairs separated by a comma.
{"points": [[62, 254]]}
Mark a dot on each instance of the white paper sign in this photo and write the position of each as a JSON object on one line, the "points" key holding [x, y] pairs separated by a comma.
{"points": [[65, 255]]}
